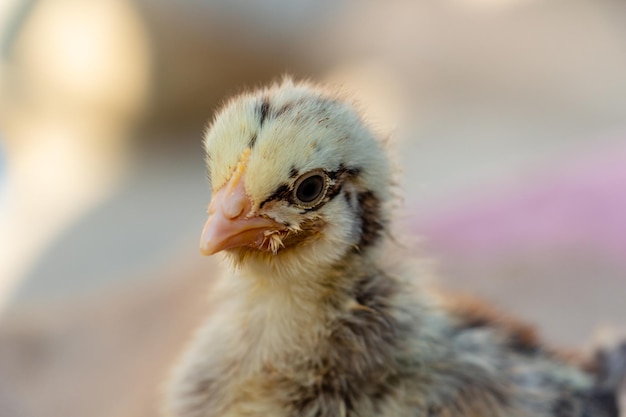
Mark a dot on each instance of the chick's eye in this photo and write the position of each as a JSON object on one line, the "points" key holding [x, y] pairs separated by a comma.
{"points": [[310, 188]]}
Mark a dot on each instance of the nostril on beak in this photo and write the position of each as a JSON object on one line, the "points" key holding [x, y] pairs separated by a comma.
{"points": [[231, 200], [233, 207]]}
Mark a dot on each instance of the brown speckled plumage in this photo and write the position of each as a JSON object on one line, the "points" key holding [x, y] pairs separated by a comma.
{"points": [[327, 325]]}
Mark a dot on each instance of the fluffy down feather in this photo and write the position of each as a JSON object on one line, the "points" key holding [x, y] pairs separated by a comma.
{"points": [[315, 320]]}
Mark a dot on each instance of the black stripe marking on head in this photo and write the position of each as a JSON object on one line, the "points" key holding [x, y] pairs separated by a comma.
{"points": [[372, 224], [264, 110], [252, 141], [289, 106], [282, 192], [285, 108], [348, 196]]}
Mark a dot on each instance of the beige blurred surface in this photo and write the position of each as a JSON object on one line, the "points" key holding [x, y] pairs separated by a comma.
{"points": [[66, 115], [102, 355], [102, 197]]}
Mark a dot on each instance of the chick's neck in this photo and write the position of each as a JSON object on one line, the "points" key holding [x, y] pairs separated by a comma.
{"points": [[298, 303]]}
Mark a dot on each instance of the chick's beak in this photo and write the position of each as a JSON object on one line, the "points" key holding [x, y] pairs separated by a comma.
{"points": [[230, 222]]}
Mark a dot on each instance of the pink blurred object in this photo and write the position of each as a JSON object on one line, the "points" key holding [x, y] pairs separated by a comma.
{"points": [[579, 205]]}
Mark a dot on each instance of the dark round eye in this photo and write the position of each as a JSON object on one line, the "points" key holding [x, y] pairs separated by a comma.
{"points": [[310, 188]]}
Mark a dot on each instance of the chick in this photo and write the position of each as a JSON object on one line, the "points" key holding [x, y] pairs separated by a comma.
{"points": [[314, 319]]}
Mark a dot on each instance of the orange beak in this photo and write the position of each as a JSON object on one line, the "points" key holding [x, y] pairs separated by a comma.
{"points": [[230, 224]]}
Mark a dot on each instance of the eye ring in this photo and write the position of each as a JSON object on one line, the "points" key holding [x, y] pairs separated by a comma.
{"points": [[310, 188]]}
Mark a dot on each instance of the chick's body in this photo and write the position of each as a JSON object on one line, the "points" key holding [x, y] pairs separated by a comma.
{"points": [[314, 320]]}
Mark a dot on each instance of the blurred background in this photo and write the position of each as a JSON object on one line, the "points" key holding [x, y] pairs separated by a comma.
{"points": [[508, 119]]}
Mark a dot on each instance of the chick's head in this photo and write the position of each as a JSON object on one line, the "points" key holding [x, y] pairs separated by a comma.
{"points": [[297, 177]]}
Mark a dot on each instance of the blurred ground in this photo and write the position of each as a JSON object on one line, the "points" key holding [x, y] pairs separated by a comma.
{"points": [[509, 120]]}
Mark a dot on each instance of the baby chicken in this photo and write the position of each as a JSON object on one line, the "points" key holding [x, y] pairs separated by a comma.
{"points": [[314, 319]]}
